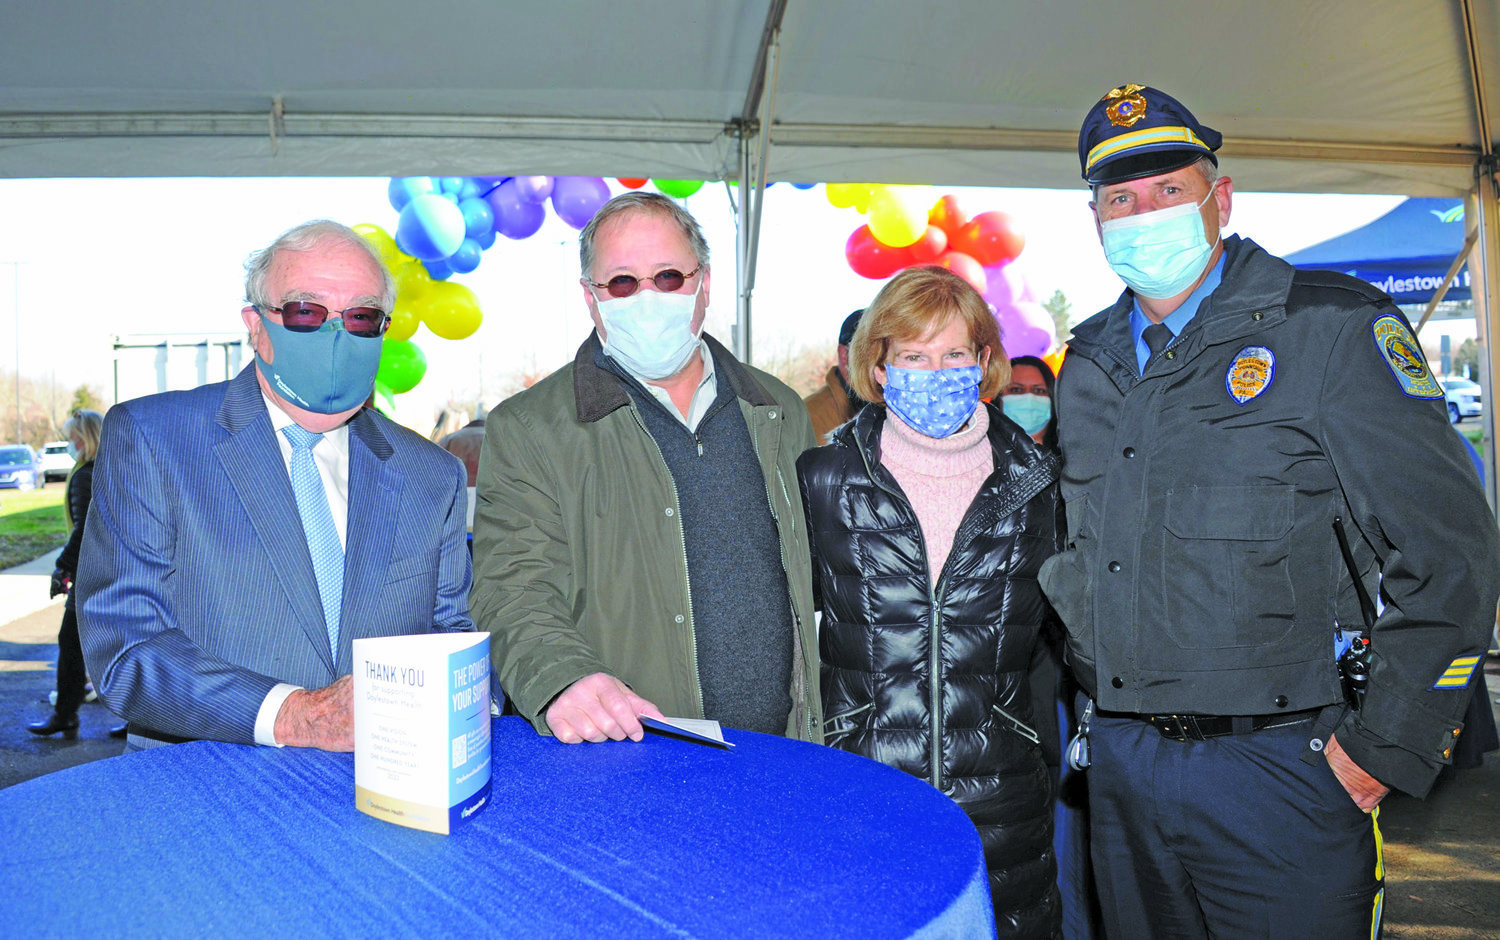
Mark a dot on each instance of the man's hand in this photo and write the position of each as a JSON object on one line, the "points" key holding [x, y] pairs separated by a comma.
{"points": [[321, 718], [61, 583], [1363, 789], [596, 708]]}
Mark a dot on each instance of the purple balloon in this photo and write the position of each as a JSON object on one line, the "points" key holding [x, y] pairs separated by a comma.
{"points": [[534, 188], [1027, 329], [1006, 285], [515, 217], [575, 199]]}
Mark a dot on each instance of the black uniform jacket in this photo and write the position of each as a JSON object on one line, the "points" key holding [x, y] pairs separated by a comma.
{"points": [[1202, 574], [887, 631]]}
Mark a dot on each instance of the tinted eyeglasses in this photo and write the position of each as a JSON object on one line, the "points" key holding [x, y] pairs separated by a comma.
{"points": [[668, 282], [302, 316]]}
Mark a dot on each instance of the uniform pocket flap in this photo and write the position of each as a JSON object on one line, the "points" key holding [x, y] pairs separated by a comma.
{"points": [[1248, 513]]}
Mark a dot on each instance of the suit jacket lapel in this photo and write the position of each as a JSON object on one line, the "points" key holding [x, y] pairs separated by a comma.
{"points": [[374, 505], [253, 463]]}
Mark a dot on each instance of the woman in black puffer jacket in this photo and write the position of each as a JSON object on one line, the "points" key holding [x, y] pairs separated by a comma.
{"points": [[927, 466]]}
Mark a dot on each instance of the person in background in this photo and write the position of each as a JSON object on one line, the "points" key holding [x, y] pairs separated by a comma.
{"points": [[467, 442], [1027, 399], [82, 432], [639, 545], [930, 516], [835, 403]]}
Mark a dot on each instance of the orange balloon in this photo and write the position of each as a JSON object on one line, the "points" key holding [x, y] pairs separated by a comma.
{"points": [[1055, 358], [930, 247], [989, 238], [631, 182], [946, 215]]}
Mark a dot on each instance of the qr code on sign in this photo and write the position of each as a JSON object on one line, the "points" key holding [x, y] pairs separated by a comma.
{"points": [[460, 750]]}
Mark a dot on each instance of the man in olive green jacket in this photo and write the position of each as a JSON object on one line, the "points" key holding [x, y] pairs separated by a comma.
{"points": [[639, 540]]}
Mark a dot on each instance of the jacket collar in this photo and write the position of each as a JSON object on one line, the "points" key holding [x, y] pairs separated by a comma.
{"points": [[1254, 282], [597, 392]]}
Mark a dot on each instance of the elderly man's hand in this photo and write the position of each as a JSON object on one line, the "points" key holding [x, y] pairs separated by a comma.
{"points": [[1363, 789], [596, 708], [321, 718]]}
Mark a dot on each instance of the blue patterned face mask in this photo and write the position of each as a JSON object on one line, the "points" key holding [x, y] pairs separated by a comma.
{"points": [[935, 402]]}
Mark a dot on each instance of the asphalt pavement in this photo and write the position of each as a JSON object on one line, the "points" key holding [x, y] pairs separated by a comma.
{"points": [[1442, 854]]}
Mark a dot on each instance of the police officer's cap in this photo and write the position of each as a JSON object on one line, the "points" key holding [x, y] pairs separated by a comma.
{"points": [[1137, 131]]}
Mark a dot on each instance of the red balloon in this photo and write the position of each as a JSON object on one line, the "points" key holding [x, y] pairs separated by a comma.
{"points": [[965, 267], [930, 247], [989, 238], [870, 258], [947, 216], [632, 182]]}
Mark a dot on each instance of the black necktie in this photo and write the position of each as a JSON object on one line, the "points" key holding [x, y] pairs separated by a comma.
{"points": [[1157, 336]]}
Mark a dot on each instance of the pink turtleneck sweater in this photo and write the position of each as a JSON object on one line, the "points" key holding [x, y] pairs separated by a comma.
{"points": [[940, 475]]}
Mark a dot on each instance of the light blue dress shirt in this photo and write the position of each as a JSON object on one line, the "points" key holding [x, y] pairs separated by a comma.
{"points": [[1178, 319]]}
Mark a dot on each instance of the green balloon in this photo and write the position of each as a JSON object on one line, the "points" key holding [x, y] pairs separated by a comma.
{"points": [[402, 365], [678, 189]]}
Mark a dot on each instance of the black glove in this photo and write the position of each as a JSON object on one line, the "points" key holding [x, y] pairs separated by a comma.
{"points": [[61, 582]]}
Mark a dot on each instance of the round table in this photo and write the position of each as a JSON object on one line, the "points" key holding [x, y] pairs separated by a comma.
{"points": [[656, 839]]}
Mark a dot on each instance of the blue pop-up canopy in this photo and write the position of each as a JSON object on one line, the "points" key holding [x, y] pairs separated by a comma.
{"points": [[1406, 252]]}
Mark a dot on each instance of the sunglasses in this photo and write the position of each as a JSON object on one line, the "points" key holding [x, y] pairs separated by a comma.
{"points": [[668, 282], [302, 316]]}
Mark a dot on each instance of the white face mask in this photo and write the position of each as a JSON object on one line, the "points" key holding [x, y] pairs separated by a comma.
{"points": [[1160, 253], [650, 332]]}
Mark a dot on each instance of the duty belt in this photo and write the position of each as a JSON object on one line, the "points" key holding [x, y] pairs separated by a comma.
{"points": [[1203, 727]]}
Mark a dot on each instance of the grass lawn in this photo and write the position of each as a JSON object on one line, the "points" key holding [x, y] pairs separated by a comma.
{"points": [[32, 523]]}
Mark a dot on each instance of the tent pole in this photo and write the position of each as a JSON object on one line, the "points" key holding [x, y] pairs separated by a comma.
{"points": [[1442, 291], [742, 254], [1486, 279]]}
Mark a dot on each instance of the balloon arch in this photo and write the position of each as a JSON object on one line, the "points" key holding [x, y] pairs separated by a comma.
{"points": [[445, 224]]}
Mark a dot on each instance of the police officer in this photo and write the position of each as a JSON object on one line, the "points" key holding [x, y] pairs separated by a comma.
{"points": [[1215, 423]]}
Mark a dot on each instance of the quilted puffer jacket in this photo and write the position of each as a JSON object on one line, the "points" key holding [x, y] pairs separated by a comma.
{"points": [[887, 631]]}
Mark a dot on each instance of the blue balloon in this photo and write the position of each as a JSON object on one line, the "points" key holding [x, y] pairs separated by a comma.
{"points": [[803, 185], [469, 190], [430, 228], [486, 240], [404, 189], [466, 258], [478, 217], [438, 269], [450, 184]]}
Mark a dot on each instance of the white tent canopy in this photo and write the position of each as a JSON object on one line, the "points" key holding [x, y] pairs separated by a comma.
{"points": [[1374, 96]]}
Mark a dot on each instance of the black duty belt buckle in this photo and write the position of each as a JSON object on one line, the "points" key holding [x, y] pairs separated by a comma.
{"points": [[1189, 727]]}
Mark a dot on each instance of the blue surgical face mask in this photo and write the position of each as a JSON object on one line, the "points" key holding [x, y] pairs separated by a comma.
{"points": [[1031, 412], [650, 332], [1161, 253], [935, 402], [327, 371]]}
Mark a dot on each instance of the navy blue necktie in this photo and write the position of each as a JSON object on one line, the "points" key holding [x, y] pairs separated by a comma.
{"points": [[317, 523], [1158, 336]]}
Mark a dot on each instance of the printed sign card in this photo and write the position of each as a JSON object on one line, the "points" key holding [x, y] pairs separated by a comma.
{"points": [[422, 728]]}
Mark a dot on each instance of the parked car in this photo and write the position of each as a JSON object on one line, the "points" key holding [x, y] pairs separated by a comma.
{"points": [[20, 467], [56, 461], [1464, 397]]}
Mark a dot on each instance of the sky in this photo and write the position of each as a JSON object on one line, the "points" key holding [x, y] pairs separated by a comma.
{"points": [[85, 260]]}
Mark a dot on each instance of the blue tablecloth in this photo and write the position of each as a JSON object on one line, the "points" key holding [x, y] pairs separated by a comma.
{"points": [[662, 838]]}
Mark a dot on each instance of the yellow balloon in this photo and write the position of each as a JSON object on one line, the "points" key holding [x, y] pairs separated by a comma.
{"points": [[412, 280], [404, 322], [848, 195], [863, 196], [384, 245], [898, 214], [450, 310]]}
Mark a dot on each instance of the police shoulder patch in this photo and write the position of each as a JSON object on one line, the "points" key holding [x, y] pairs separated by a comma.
{"points": [[1251, 373], [1395, 342]]}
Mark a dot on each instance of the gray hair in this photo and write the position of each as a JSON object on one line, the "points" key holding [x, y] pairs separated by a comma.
{"points": [[1205, 166], [305, 237], [637, 201]]}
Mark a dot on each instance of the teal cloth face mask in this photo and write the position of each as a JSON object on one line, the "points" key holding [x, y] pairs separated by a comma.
{"points": [[1031, 412], [327, 371], [1161, 253]]}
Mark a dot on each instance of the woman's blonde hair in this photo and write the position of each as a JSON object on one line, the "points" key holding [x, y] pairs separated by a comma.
{"points": [[913, 305], [87, 425]]}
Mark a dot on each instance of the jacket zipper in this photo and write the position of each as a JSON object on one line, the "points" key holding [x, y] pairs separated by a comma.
{"points": [[686, 574], [800, 659]]}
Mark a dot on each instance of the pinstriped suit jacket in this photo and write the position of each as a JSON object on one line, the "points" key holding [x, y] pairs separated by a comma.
{"points": [[196, 592]]}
